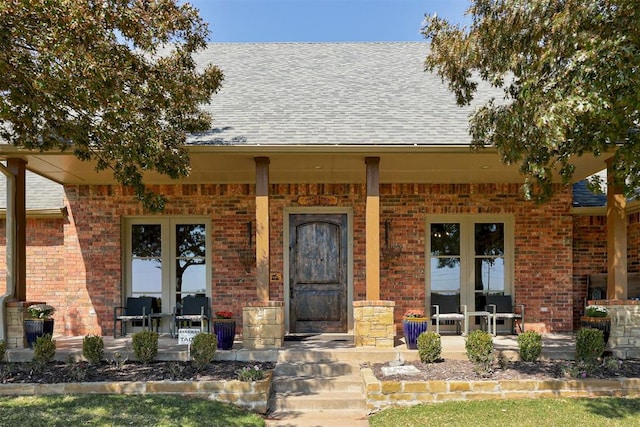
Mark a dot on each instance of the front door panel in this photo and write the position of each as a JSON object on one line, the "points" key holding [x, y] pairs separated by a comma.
{"points": [[318, 273]]}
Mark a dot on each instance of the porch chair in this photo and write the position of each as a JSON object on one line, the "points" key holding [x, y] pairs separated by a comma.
{"points": [[194, 309], [137, 309], [446, 308], [500, 307]]}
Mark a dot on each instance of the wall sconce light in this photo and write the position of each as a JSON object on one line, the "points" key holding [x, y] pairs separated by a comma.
{"points": [[390, 250], [247, 255]]}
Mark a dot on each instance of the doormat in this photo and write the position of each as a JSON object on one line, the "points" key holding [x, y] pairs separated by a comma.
{"points": [[297, 337]]}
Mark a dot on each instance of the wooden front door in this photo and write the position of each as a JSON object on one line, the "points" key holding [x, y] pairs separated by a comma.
{"points": [[317, 273]]}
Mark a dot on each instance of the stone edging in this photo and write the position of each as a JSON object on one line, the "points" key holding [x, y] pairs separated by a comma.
{"points": [[384, 394], [253, 396]]}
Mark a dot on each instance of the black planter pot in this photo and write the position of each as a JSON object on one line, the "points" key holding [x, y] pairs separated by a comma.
{"points": [[34, 328], [225, 330], [602, 323]]}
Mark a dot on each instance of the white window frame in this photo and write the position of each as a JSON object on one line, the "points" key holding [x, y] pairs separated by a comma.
{"points": [[168, 236], [467, 252]]}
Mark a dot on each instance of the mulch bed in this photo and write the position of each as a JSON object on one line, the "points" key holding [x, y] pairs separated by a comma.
{"points": [[464, 370], [59, 372]]}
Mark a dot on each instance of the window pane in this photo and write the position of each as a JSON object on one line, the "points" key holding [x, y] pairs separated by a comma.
{"points": [[489, 239], [445, 239], [489, 275], [445, 275], [146, 277], [190, 259], [190, 240], [191, 277], [146, 241]]}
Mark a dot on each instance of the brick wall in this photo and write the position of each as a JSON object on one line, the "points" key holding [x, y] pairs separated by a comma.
{"points": [[82, 256], [590, 253]]}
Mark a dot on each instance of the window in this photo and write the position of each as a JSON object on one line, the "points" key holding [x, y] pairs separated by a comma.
{"points": [[471, 256], [167, 258]]}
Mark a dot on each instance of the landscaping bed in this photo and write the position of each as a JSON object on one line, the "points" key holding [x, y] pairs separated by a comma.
{"points": [[59, 372]]}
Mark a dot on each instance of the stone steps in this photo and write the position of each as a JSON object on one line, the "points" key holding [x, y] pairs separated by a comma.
{"points": [[317, 393]]}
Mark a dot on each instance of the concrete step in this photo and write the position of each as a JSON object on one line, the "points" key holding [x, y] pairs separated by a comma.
{"points": [[292, 384], [318, 419], [327, 401], [316, 369]]}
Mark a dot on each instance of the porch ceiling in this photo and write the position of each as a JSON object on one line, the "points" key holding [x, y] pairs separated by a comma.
{"points": [[310, 164]]}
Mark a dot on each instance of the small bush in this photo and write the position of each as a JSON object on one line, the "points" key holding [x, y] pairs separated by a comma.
{"points": [[251, 373], [145, 346], [3, 349], [203, 349], [530, 346], [479, 346], [429, 347], [589, 345], [93, 349], [44, 349]]}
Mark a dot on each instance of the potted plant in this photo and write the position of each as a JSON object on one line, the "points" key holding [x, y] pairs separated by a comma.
{"points": [[414, 323], [597, 317], [39, 322], [224, 326]]}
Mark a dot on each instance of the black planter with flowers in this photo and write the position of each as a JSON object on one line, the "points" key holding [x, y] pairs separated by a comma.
{"points": [[224, 326], [413, 324], [39, 322]]}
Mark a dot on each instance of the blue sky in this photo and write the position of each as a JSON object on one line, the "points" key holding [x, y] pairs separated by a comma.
{"points": [[322, 20]]}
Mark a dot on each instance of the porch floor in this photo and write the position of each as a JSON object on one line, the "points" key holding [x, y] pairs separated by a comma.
{"points": [[336, 347]]}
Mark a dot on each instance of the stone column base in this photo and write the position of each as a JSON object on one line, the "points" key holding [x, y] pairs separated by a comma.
{"points": [[16, 313], [374, 326], [263, 325], [624, 341]]}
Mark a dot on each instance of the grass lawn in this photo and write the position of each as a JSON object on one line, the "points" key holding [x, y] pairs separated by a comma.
{"points": [[521, 413], [121, 410]]}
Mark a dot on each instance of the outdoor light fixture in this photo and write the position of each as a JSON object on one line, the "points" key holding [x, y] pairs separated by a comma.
{"points": [[390, 250], [247, 255]]}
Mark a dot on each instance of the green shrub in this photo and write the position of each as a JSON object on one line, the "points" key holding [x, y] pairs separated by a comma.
{"points": [[44, 349], [429, 346], [145, 346], [530, 346], [93, 349], [589, 345], [203, 349], [479, 346], [3, 349]]}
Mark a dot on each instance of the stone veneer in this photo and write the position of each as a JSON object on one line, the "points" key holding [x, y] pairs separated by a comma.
{"points": [[16, 313], [624, 340], [263, 323], [253, 396], [385, 394], [373, 324]]}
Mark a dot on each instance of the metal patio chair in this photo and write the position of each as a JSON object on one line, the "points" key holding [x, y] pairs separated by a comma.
{"points": [[195, 309], [137, 309], [500, 307], [447, 308]]}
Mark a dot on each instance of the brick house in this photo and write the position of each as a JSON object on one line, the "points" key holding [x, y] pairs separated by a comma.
{"points": [[334, 173]]}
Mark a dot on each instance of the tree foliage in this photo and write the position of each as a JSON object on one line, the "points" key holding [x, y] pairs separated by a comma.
{"points": [[112, 80], [570, 72]]}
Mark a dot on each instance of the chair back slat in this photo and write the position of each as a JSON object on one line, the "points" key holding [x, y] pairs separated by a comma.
{"points": [[447, 303], [503, 303], [192, 305], [136, 306]]}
